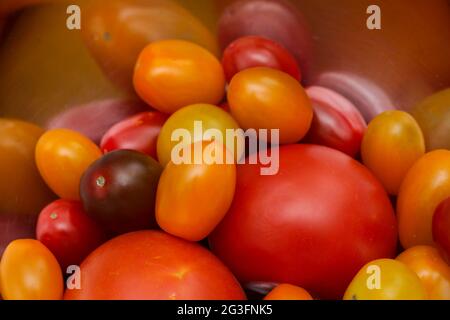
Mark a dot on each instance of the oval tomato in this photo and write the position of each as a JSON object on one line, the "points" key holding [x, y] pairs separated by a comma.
{"points": [[154, 265], [441, 227], [288, 292], [284, 228], [62, 156]]}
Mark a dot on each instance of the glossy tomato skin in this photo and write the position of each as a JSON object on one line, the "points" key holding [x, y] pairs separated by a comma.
{"points": [[253, 51], [172, 74], [29, 271], [288, 292], [441, 227], [62, 156], [154, 265], [118, 191], [65, 229], [289, 233], [139, 132], [264, 98], [337, 123]]}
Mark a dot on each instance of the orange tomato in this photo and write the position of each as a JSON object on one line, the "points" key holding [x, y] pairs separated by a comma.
{"points": [[172, 74], [29, 271], [432, 270], [288, 292], [62, 156], [424, 187], [265, 98], [193, 198], [392, 143]]}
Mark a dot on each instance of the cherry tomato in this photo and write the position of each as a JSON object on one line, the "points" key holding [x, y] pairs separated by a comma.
{"points": [[139, 132], [385, 279], [264, 98], [172, 74], [197, 119], [337, 123], [29, 271], [62, 156], [425, 186], [65, 229], [154, 265], [432, 270], [119, 189], [182, 209], [314, 224], [288, 292], [253, 51], [441, 226], [392, 143]]}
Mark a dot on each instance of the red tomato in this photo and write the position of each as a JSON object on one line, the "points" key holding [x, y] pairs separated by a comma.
{"points": [[254, 51], [314, 224], [139, 132], [154, 265], [65, 229], [337, 123], [441, 226]]}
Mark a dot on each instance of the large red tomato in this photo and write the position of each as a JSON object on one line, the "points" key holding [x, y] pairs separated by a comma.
{"points": [[154, 265], [314, 224]]}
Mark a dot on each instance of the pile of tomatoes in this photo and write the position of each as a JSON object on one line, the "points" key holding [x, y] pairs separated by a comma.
{"points": [[121, 220]]}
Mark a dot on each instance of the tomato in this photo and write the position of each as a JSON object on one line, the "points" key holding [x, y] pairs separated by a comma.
{"points": [[314, 224], [337, 123], [29, 271], [288, 292], [172, 74], [432, 270], [115, 31], [253, 51], [10, 6], [139, 132], [197, 119], [154, 265], [425, 186], [385, 279], [65, 229], [62, 156], [392, 143], [119, 189], [441, 226], [264, 98], [192, 197]]}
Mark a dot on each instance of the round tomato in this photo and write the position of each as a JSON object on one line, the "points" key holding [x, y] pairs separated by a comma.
{"points": [[172, 74], [314, 224], [288, 292], [62, 156], [29, 271], [441, 226], [432, 270], [392, 144], [253, 51], [154, 265], [425, 186], [139, 132], [65, 229], [385, 279], [264, 98]]}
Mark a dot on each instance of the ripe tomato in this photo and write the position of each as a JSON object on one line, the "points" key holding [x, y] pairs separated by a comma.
{"points": [[62, 156], [154, 265], [285, 228], [119, 189], [432, 270], [385, 279], [337, 123], [139, 132], [264, 98], [253, 51], [288, 292], [172, 74], [197, 119], [65, 229], [392, 144], [29, 271], [441, 227], [193, 198], [425, 186]]}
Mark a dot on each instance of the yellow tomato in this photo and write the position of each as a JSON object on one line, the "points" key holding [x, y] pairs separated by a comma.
{"points": [[288, 292]]}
